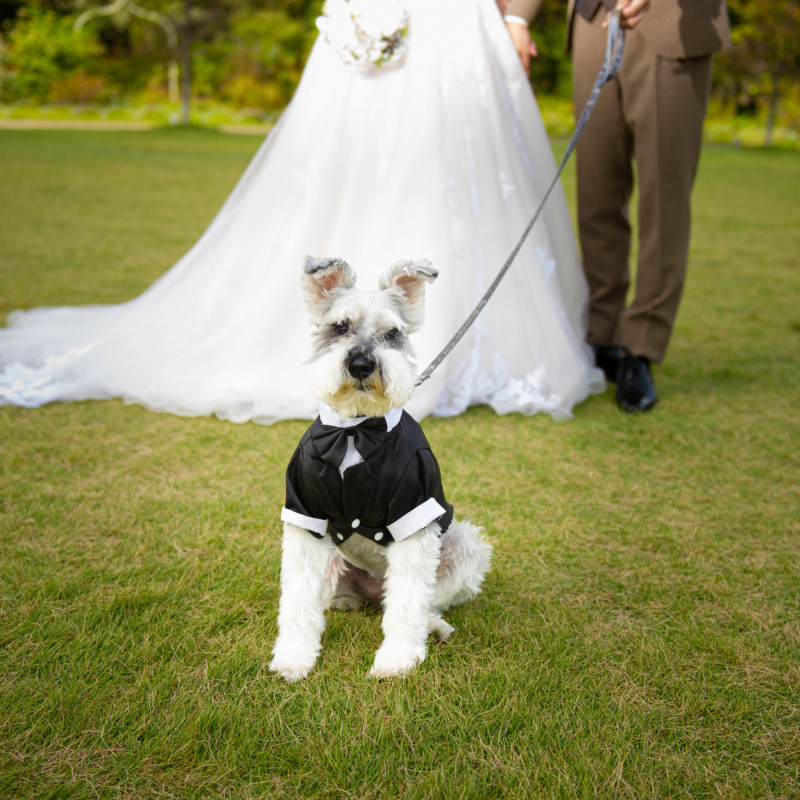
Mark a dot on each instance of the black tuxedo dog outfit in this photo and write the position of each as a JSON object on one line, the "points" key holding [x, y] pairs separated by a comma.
{"points": [[390, 488]]}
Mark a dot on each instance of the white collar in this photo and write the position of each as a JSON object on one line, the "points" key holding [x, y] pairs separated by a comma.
{"points": [[328, 416]]}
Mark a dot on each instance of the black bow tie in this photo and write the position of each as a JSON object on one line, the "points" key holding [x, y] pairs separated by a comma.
{"points": [[330, 441]]}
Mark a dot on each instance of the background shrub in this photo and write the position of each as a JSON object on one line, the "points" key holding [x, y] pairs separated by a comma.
{"points": [[44, 49]]}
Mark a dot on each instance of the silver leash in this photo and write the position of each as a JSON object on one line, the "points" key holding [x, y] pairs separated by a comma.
{"points": [[615, 46]]}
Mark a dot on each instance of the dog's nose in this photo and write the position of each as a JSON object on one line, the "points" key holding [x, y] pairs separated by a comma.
{"points": [[360, 365]]}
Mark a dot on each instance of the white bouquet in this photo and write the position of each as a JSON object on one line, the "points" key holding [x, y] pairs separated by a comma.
{"points": [[368, 33]]}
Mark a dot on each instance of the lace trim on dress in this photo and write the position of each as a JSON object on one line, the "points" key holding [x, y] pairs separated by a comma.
{"points": [[471, 385]]}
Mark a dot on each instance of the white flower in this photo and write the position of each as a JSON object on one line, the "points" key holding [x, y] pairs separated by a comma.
{"points": [[379, 19], [365, 32], [337, 25]]}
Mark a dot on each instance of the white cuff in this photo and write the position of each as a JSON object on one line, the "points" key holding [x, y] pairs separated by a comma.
{"points": [[515, 18], [415, 520], [319, 526]]}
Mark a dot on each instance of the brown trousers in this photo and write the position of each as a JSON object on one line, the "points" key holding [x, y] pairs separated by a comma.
{"points": [[652, 115]]}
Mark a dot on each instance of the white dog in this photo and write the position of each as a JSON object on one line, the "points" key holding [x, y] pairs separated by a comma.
{"points": [[366, 519]]}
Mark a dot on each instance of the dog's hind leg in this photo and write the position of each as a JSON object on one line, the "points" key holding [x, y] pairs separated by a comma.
{"points": [[438, 626], [464, 562], [301, 618], [408, 602], [337, 567]]}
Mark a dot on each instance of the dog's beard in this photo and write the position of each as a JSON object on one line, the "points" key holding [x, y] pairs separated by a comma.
{"points": [[361, 399]]}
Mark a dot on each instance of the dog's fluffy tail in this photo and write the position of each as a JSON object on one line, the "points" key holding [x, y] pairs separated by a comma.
{"points": [[465, 560]]}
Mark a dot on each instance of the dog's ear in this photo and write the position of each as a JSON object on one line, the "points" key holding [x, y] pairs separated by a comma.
{"points": [[407, 279], [322, 276]]}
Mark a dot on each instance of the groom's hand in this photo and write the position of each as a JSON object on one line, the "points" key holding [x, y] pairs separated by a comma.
{"points": [[632, 12]]}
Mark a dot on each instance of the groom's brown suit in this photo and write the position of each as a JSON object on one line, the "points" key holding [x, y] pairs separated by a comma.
{"points": [[652, 113]]}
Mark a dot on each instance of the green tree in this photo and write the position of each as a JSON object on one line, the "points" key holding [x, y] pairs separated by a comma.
{"points": [[764, 62], [204, 21], [551, 71], [42, 48], [245, 51], [268, 50]]}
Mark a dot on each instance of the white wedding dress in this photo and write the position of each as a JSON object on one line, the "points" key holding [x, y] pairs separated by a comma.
{"points": [[442, 155]]}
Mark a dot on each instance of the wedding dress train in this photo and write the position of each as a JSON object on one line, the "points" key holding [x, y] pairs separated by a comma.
{"points": [[442, 155]]}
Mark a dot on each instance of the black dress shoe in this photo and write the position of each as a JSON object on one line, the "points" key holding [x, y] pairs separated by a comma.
{"points": [[607, 358], [635, 388]]}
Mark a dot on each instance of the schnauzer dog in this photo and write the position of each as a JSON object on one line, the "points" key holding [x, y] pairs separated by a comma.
{"points": [[366, 521]]}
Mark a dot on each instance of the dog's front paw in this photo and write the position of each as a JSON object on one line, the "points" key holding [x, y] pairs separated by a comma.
{"points": [[292, 663], [393, 661], [289, 672]]}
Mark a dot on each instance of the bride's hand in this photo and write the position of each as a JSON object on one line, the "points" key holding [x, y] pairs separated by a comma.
{"points": [[521, 39]]}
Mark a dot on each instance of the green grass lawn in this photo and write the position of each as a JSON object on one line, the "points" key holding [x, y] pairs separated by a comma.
{"points": [[638, 637]]}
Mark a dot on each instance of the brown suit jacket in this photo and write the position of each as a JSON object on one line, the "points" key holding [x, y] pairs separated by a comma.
{"points": [[674, 28]]}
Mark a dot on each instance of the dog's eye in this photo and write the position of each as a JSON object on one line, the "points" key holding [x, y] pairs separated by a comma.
{"points": [[341, 328], [391, 334]]}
